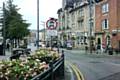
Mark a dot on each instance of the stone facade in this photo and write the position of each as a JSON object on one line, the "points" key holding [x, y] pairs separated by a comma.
{"points": [[75, 22]]}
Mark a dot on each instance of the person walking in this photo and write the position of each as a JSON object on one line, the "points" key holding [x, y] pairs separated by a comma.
{"points": [[86, 48], [8, 46], [98, 48]]}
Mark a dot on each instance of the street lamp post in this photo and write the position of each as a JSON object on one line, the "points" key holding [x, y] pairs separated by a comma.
{"points": [[37, 23], [4, 40], [90, 24]]}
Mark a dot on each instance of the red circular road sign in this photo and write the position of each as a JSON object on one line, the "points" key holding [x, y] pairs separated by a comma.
{"points": [[51, 24]]}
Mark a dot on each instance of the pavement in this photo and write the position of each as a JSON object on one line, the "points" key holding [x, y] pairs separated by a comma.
{"points": [[7, 55], [88, 52]]}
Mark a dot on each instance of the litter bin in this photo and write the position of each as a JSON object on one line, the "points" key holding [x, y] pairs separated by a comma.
{"points": [[110, 51], [1, 50]]}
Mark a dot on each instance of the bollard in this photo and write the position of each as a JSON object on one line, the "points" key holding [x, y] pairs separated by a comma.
{"points": [[51, 71], [62, 51], [61, 68], [63, 65]]}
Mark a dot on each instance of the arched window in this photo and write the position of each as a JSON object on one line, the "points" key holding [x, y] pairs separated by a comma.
{"points": [[99, 41]]}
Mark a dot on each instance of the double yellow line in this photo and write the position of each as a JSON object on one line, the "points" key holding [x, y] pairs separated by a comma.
{"points": [[77, 72]]}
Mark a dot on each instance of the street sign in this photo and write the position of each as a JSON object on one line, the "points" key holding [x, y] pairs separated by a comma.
{"points": [[51, 24], [51, 32]]}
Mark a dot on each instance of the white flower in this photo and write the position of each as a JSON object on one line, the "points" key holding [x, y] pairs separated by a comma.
{"points": [[37, 60], [44, 62], [27, 66]]}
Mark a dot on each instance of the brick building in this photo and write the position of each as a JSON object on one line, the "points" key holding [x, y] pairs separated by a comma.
{"points": [[107, 23]]}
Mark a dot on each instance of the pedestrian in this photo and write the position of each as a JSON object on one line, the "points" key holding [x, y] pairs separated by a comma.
{"points": [[94, 49], [8, 46], [98, 48], [86, 48], [103, 48]]}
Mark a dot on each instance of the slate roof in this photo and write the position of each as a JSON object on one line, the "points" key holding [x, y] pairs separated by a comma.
{"points": [[70, 3]]}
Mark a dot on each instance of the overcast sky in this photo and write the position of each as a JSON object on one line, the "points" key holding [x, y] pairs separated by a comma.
{"points": [[48, 8]]}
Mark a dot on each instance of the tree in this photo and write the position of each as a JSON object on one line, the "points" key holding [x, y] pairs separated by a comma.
{"points": [[16, 27]]}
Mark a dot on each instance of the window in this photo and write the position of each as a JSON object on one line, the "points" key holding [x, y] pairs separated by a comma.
{"points": [[73, 16], [80, 24], [108, 40], [105, 24], [81, 13], [105, 8], [92, 11]]}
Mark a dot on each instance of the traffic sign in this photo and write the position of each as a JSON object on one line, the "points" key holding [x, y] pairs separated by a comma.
{"points": [[51, 24], [51, 32]]}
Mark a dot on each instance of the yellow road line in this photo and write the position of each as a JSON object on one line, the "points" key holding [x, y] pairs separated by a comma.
{"points": [[77, 71], [81, 75]]}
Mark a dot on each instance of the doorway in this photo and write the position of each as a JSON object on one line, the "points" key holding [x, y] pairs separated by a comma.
{"points": [[99, 43]]}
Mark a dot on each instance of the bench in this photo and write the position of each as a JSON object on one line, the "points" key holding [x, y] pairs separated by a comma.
{"points": [[17, 52]]}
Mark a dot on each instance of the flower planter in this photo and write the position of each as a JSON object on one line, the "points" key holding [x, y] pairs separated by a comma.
{"points": [[26, 69]]}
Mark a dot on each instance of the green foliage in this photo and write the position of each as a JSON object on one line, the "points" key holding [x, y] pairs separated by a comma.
{"points": [[63, 28], [64, 36], [73, 38], [16, 27]]}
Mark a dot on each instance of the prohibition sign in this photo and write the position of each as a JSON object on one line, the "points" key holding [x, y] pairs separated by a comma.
{"points": [[51, 24]]}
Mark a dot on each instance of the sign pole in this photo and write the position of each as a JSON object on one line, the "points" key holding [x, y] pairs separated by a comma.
{"points": [[51, 26], [51, 42], [37, 24]]}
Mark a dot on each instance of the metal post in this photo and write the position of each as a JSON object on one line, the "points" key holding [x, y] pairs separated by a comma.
{"points": [[90, 22], [51, 42], [63, 72], [44, 34], [52, 73], [4, 40], [37, 23]]}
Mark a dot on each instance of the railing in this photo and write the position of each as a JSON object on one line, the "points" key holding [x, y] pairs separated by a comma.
{"points": [[55, 70]]}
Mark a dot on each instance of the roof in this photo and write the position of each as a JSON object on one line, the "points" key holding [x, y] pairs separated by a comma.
{"points": [[70, 3]]}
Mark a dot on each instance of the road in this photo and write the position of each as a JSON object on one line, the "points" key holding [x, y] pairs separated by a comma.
{"points": [[95, 66]]}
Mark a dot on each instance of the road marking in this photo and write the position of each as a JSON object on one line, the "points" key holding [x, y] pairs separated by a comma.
{"points": [[71, 72], [81, 75], [76, 71]]}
